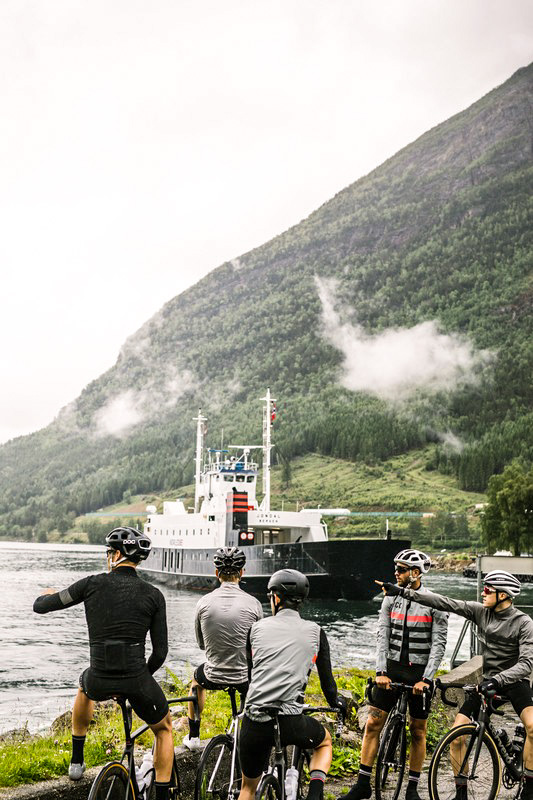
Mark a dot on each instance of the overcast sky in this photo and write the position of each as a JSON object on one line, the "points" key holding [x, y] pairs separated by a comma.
{"points": [[145, 142]]}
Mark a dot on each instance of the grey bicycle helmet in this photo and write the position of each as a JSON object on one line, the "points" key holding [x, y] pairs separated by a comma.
{"points": [[229, 559], [503, 581], [130, 542]]}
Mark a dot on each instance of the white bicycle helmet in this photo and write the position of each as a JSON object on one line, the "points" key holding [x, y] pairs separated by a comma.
{"points": [[503, 581], [414, 558]]}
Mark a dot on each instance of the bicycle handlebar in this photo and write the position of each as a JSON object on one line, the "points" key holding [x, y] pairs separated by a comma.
{"points": [[468, 688]]}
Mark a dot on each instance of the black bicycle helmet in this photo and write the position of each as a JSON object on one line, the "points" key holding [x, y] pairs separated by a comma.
{"points": [[229, 559], [289, 584], [133, 544]]}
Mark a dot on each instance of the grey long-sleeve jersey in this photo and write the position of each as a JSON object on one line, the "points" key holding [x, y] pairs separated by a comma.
{"points": [[223, 619], [506, 636]]}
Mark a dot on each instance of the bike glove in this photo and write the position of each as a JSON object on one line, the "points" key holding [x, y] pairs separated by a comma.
{"points": [[393, 589], [488, 687]]}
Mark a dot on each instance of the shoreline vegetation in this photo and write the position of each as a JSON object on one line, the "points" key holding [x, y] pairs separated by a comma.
{"points": [[28, 758]]}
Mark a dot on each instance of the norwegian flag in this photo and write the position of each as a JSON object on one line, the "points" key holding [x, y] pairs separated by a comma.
{"points": [[273, 413]]}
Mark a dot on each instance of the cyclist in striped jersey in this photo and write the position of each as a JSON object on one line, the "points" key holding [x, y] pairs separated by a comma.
{"points": [[411, 644]]}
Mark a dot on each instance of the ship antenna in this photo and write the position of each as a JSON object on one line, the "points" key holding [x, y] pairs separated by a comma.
{"points": [[267, 447], [200, 431]]}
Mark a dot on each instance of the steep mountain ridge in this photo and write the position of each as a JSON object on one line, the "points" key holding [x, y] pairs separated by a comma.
{"points": [[440, 231]]}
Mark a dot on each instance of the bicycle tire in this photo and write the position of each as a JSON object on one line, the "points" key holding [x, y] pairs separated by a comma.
{"points": [[112, 783], [269, 788], [213, 773], [484, 785], [390, 764]]}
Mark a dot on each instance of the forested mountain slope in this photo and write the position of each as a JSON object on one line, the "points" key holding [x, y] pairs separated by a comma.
{"points": [[398, 313]]}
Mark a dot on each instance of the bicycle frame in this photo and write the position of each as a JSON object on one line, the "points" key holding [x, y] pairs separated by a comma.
{"points": [[130, 737], [232, 729]]}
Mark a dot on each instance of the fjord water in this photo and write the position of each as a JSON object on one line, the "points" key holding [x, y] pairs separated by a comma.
{"points": [[41, 657]]}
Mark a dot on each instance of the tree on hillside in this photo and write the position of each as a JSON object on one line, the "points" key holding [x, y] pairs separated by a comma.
{"points": [[508, 518]]}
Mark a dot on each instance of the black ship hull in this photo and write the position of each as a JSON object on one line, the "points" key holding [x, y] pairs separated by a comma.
{"points": [[336, 569]]}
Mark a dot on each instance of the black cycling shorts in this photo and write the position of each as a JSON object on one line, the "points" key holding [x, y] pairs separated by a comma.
{"points": [[257, 738], [385, 699], [205, 683], [143, 692], [519, 695]]}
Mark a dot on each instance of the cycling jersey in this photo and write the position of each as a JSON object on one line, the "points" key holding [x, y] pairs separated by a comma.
{"points": [[120, 609], [410, 633], [283, 649], [506, 636], [223, 619]]}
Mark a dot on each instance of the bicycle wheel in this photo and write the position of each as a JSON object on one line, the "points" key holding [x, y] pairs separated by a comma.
{"points": [[303, 761], [390, 765], [112, 783], [214, 771], [454, 755], [269, 788]]}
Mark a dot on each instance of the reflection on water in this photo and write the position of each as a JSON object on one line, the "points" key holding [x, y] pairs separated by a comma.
{"points": [[42, 656]]}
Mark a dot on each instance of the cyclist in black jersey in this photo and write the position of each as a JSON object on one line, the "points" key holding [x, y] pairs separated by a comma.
{"points": [[120, 609]]}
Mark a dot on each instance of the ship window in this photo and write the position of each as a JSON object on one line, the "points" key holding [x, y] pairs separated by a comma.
{"points": [[217, 477], [240, 478], [228, 478], [211, 518], [193, 531], [249, 478]]}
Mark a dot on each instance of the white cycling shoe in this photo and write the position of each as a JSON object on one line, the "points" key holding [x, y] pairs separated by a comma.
{"points": [[75, 771], [193, 743]]}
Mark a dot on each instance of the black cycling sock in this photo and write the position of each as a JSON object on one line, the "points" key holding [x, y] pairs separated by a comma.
{"points": [[360, 791], [162, 790], [365, 773], [527, 790], [412, 785], [316, 784], [194, 728], [78, 743]]}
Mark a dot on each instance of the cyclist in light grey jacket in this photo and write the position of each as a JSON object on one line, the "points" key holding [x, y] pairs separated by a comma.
{"points": [[222, 622], [506, 636]]}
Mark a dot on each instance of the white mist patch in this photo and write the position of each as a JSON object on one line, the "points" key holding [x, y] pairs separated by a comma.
{"points": [[129, 408], [396, 362], [118, 415], [451, 441]]}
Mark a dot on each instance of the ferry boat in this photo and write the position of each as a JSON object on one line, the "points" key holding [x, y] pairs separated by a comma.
{"points": [[227, 513]]}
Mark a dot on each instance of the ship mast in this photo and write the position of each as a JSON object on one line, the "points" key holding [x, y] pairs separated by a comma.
{"points": [[198, 459], [267, 447]]}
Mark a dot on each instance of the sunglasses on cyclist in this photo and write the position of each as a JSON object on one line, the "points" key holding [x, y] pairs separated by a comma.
{"points": [[401, 570], [489, 590]]}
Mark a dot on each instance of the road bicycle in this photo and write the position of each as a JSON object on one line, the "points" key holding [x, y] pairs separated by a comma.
{"points": [[392, 751], [219, 774], [472, 754], [272, 785], [117, 779]]}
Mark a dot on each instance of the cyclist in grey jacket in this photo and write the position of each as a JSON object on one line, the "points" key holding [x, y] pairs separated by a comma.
{"points": [[282, 650], [411, 644], [506, 636], [222, 621]]}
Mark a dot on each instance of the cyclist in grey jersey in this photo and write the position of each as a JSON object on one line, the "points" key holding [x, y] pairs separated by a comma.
{"points": [[282, 650], [506, 636], [222, 621]]}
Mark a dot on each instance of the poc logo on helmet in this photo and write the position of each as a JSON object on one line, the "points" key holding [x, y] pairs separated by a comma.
{"points": [[128, 541]]}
